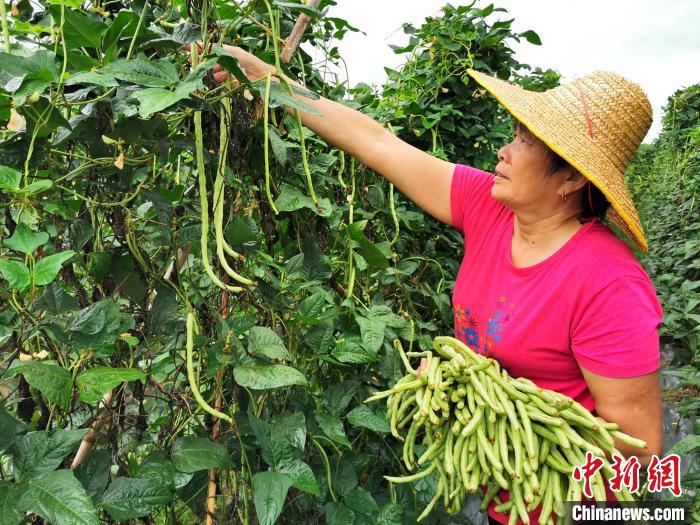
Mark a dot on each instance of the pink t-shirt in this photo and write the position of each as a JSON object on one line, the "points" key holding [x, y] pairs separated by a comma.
{"points": [[589, 305]]}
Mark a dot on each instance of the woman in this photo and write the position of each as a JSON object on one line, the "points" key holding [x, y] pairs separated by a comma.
{"points": [[544, 287]]}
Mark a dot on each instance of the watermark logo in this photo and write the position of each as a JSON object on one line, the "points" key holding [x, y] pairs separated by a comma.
{"points": [[586, 472], [626, 474], [664, 473]]}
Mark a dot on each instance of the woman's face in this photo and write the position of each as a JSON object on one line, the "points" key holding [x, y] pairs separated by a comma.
{"points": [[521, 180]]}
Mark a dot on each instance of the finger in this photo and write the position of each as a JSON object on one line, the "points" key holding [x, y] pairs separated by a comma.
{"points": [[220, 76], [216, 68]]}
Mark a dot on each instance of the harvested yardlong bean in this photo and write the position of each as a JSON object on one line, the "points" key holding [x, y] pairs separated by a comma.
{"points": [[472, 425]]}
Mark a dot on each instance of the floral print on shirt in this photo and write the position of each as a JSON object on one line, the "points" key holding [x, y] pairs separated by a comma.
{"points": [[469, 329]]}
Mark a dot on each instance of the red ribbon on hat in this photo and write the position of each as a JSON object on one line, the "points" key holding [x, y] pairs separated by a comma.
{"points": [[585, 109]]}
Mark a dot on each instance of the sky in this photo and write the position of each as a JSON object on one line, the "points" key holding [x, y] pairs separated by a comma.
{"points": [[655, 43]]}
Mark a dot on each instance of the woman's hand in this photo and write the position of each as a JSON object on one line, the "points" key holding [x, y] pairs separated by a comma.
{"points": [[252, 66]]}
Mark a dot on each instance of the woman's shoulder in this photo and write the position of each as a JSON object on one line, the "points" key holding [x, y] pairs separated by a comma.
{"points": [[604, 258]]}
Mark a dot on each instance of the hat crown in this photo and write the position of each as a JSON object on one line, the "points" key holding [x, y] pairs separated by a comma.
{"points": [[612, 111]]}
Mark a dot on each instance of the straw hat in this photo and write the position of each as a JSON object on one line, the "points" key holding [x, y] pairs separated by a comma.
{"points": [[595, 123]]}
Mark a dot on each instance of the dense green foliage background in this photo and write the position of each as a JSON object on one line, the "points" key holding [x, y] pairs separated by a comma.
{"points": [[100, 258], [665, 182]]}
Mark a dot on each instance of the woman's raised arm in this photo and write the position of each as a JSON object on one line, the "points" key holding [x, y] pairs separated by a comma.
{"points": [[421, 177]]}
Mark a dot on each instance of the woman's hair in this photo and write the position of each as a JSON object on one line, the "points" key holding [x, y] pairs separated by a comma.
{"points": [[597, 205]]}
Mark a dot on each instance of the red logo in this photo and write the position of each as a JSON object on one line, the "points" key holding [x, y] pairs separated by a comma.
{"points": [[626, 473], [587, 471], [665, 474]]}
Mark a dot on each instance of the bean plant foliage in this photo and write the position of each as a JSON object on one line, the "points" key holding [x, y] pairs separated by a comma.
{"points": [[665, 177], [197, 294]]}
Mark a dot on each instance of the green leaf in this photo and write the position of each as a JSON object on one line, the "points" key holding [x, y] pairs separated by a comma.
{"points": [[123, 26], [372, 333], [351, 349], [98, 326], [307, 10], [339, 514], [10, 429], [361, 501], [368, 250], [159, 467], [241, 230], [310, 309], [55, 301], [47, 268], [282, 439], [338, 395], [164, 317], [9, 495], [130, 498], [16, 273], [53, 381], [263, 340], [292, 199], [96, 382], [144, 72], [280, 97], [279, 146], [385, 315], [259, 375], [81, 231], [332, 427], [10, 178], [98, 265], [91, 77], [25, 240], [345, 476], [78, 30], [320, 338], [153, 100], [302, 477], [38, 453], [686, 445], [88, 321], [94, 473], [59, 498], [35, 187], [14, 69], [269, 492], [362, 416], [390, 514], [190, 454], [317, 264], [532, 37]]}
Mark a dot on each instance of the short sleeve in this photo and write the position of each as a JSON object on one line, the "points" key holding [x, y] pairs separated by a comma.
{"points": [[616, 334], [470, 197]]}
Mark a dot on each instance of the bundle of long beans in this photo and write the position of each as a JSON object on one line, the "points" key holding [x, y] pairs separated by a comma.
{"points": [[480, 427]]}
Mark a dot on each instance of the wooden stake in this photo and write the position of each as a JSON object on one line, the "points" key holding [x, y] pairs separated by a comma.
{"points": [[87, 445], [216, 427], [292, 41]]}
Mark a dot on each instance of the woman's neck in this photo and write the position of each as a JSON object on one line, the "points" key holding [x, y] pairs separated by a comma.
{"points": [[543, 231]]}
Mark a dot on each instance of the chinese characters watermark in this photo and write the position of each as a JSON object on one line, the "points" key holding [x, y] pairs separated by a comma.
{"points": [[664, 473]]}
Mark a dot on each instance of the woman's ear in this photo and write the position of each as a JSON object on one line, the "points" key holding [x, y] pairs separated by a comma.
{"points": [[574, 179]]}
